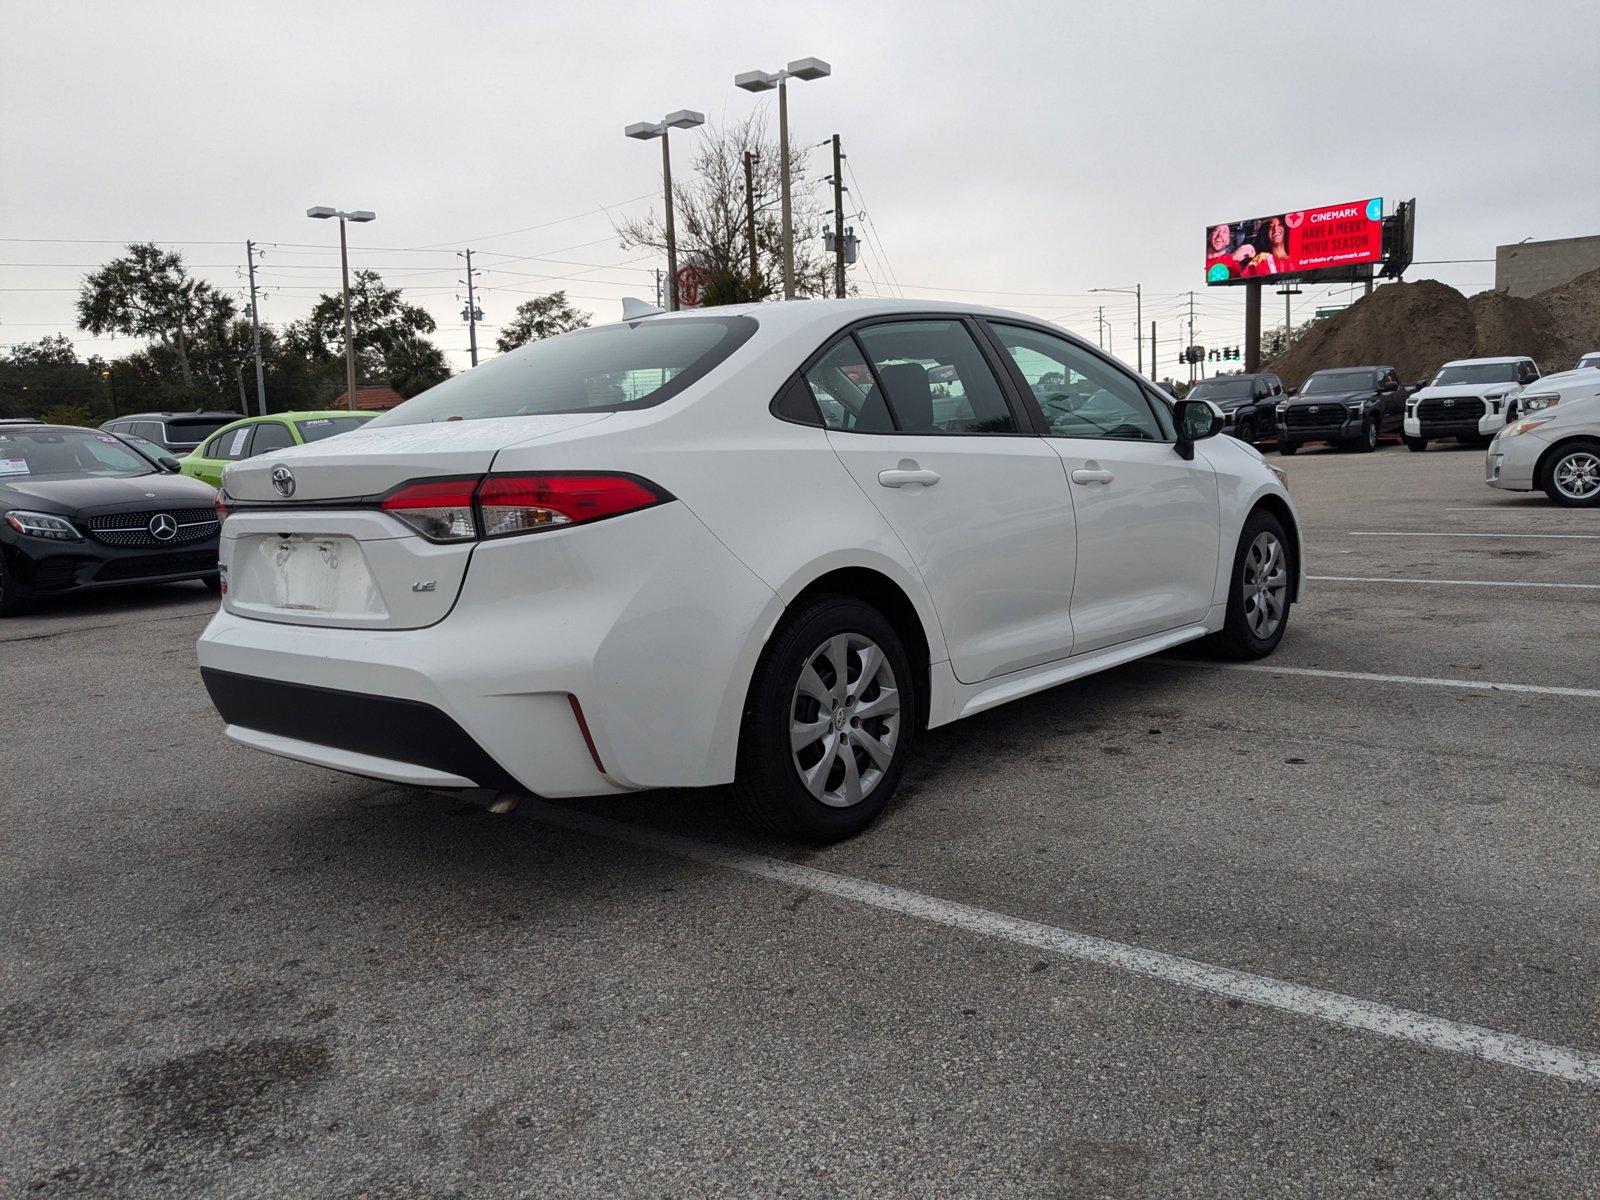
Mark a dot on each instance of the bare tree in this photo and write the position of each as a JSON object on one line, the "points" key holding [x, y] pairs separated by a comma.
{"points": [[712, 223]]}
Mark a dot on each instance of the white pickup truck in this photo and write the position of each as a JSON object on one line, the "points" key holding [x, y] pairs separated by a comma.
{"points": [[1469, 400]]}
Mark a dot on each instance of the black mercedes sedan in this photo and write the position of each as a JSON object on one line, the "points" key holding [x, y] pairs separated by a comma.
{"points": [[82, 509]]}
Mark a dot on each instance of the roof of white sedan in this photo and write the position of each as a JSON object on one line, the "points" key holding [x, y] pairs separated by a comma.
{"points": [[798, 314]]}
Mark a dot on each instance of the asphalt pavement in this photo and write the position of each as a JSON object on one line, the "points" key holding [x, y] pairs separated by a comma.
{"points": [[230, 975]]}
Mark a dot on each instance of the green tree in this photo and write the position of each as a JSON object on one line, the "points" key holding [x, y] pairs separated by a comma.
{"points": [[414, 364], [148, 293], [713, 221], [539, 318], [52, 350], [382, 320], [67, 414]]}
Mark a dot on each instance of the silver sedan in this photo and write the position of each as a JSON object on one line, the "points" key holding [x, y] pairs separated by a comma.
{"points": [[1555, 446]]}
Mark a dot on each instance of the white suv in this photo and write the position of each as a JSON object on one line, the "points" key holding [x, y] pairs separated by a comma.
{"points": [[1469, 399], [761, 544]]}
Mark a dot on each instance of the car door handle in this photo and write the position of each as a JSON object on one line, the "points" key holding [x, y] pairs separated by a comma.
{"points": [[1092, 477], [901, 478]]}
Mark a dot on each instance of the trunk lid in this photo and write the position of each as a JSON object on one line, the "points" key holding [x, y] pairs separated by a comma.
{"points": [[304, 559]]}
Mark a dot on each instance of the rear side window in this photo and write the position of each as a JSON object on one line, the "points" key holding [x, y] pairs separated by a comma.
{"points": [[230, 445], [846, 392], [935, 378], [605, 369]]}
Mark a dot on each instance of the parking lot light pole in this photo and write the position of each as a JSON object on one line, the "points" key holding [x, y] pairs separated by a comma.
{"points": [[360, 216], [1137, 292], [764, 81], [644, 131]]}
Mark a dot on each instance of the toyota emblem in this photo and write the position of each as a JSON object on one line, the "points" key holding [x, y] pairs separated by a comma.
{"points": [[1449, 403], [283, 481], [163, 527], [1314, 408]]}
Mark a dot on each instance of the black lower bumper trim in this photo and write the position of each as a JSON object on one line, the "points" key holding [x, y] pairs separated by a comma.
{"points": [[406, 731]]}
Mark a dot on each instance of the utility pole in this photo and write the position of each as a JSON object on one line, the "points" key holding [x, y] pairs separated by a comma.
{"points": [[1191, 337], [838, 220], [255, 330], [1100, 327], [472, 311], [750, 219], [1153, 366]]}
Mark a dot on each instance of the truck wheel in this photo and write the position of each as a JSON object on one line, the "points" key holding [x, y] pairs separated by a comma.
{"points": [[1415, 444], [1368, 442], [1246, 432], [828, 724], [1287, 448], [1572, 476]]}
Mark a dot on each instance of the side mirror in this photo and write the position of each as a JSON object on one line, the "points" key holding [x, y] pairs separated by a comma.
{"points": [[1292, 392], [1196, 420], [169, 464]]}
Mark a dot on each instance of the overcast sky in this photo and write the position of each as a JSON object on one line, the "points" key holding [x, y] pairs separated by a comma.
{"points": [[1010, 153]]}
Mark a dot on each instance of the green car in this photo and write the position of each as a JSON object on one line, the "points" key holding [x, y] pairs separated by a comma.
{"points": [[264, 435]]}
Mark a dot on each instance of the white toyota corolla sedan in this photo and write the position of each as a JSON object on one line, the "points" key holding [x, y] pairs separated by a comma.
{"points": [[763, 545]]}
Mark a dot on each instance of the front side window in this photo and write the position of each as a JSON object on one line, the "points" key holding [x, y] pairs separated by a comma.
{"points": [[605, 369], [270, 436], [1080, 394], [935, 378]]}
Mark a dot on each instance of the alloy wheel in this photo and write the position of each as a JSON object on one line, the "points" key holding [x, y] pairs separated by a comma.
{"points": [[844, 720], [1577, 476], [1265, 584]]}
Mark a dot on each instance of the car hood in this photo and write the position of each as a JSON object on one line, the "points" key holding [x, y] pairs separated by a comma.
{"points": [[1330, 398], [1581, 382], [89, 495], [1480, 390]]}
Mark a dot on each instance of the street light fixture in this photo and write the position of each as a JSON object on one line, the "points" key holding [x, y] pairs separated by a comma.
{"points": [[360, 216], [644, 131], [765, 81], [1137, 292]]}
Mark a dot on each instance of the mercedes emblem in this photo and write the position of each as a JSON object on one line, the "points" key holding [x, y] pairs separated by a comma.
{"points": [[283, 481], [163, 527]]}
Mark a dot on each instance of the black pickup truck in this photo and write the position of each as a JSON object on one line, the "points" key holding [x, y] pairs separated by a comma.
{"points": [[1245, 400], [1346, 406]]}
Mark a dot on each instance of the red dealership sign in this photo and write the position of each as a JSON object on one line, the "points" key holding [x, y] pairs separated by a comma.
{"points": [[1295, 243]]}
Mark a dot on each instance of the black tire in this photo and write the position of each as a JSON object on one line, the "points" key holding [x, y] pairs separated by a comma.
{"points": [[1238, 639], [1368, 441], [768, 783], [1414, 444], [12, 602], [1565, 454], [1287, 448], [1246, 432]]}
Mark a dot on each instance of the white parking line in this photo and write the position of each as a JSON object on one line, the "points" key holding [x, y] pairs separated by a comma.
{"points": [[1478, 685], [1366, 1016], [1518, 583], [1588, 537]]}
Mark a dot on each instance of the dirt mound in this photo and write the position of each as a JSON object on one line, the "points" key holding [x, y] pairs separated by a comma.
{"points": [[1412, 327], [1416, 327]]}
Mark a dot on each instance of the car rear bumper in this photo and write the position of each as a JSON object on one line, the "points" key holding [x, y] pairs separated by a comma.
{"points": [[640, 631]]}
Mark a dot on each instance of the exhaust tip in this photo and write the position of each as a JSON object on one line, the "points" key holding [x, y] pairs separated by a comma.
{"points": [[505, 802]]}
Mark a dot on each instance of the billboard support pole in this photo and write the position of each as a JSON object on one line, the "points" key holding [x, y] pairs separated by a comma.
{"points": [[1252, 327]]}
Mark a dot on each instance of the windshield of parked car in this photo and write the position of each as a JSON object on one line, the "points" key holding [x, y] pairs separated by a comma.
{"points": [[633, 364], [314, 429], [53, 453], [1223, 389], [1469, 373], [1324, 382]]}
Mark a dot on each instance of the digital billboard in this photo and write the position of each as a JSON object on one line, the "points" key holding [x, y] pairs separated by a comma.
{"points": [[1295, 243]]}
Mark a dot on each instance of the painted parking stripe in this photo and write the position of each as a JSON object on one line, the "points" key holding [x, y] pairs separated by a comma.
{"points": [[1366, 1016], [1516, 583], [1582, 537], [1476, 685]]}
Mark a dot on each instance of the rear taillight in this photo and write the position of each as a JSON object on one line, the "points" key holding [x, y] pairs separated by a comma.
{"points": [[439, 509], [463, 510], [513, 504]]}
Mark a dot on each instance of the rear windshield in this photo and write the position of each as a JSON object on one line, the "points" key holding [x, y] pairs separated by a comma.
{"points": [[1324, 382], [315, 429], [1223, 389], [1477, 373], [56, 453], [605, 369], [195, 429]]}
